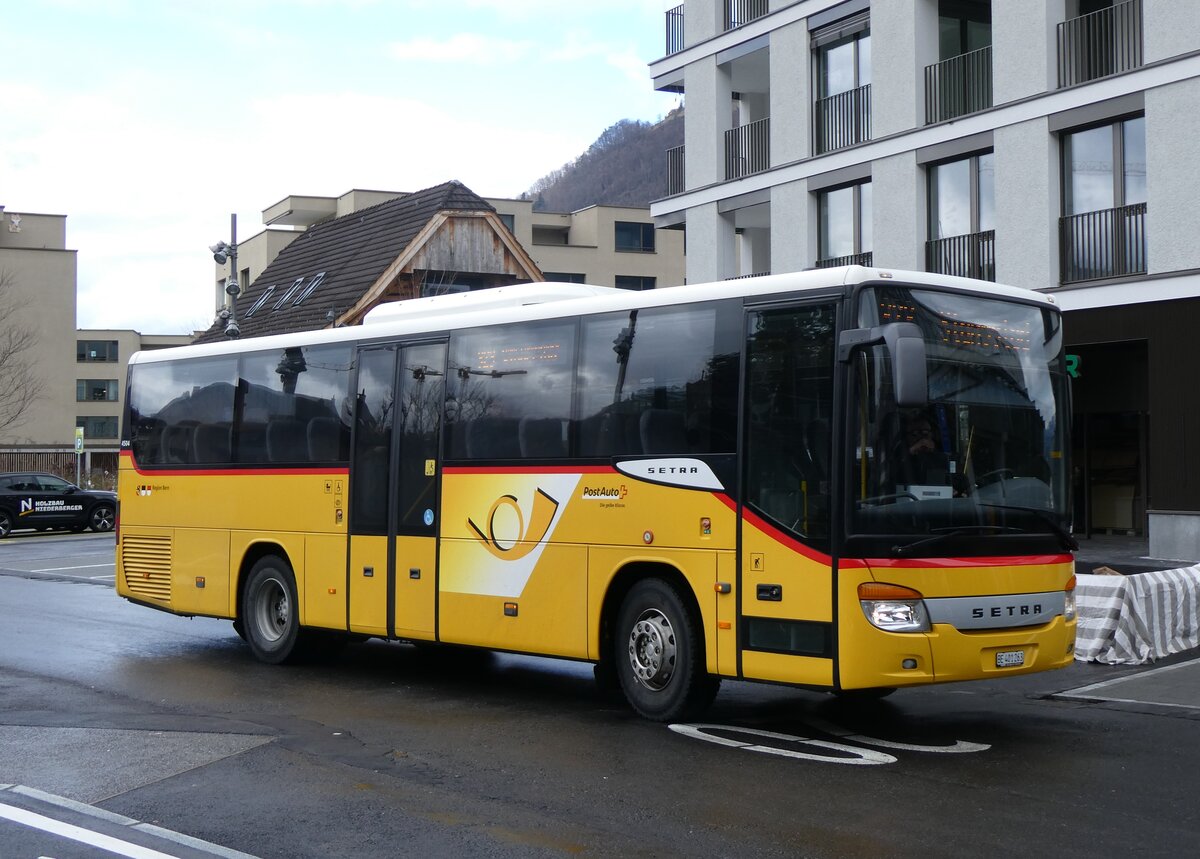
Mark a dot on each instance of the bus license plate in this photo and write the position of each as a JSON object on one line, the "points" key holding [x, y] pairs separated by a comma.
{"points": [[1010, 658]]}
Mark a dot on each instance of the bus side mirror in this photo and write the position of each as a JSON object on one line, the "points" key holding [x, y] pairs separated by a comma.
{"points": [[906, 346]]}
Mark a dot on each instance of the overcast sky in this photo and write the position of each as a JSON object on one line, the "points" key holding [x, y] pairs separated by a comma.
{"points": [[147, 122]]}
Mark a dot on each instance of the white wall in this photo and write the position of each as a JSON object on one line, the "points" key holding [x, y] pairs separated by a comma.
{"points": [[1024, 47], [1173, 176], [1027, 204], [898, 207]]}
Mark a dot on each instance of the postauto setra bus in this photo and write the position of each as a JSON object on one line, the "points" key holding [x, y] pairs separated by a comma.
{"points": [[849, 479]]}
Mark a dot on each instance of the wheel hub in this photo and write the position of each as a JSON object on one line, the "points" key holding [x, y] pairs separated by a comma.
{"points": [[272, 611], [652, 649]]}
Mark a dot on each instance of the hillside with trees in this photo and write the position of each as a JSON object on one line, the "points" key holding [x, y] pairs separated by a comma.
{"points": [[626, 166]]}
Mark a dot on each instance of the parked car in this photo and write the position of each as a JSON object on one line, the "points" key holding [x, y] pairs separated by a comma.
{"points": [[44, 502]]}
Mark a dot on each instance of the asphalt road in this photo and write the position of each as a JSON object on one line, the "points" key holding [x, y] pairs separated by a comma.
{"points": [[147, 724]]}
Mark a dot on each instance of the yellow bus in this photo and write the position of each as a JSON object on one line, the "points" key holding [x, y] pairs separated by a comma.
{"points": [[851, 480]]}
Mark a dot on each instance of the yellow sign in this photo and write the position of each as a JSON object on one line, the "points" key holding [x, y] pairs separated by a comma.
{"points": [[78, 439]]}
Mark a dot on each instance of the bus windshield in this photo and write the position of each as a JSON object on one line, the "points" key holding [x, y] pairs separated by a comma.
{"points": [[984, 463]]}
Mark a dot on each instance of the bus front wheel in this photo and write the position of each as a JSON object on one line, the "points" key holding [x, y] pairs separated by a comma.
{"points": [[659, 654], [270, 611]]}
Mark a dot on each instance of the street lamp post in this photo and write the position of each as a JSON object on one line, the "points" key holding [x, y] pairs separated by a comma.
{"points": [[227, 252]]}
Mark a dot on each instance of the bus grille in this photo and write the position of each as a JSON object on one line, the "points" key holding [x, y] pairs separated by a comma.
{"points": [[146, 560]]}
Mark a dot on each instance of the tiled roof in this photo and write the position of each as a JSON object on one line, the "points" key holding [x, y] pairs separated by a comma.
{"points": [[352, 251]]}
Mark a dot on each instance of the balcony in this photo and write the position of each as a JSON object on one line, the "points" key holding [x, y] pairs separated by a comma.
{"points": [[970, 255], [842, 120], [1107, 243], [748, 149], [958, 86], [866, 258], [741, 12], [1100, 44], [676, 176], [675, 30]]}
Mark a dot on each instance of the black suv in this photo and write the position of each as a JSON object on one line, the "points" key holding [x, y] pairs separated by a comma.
{"points": [[43, 501]]}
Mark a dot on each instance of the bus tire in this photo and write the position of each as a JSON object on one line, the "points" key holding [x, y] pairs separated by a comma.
{"points": [[270, 614], [659, 654]]}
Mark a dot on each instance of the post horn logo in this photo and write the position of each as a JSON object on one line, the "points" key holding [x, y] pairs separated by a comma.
{"points": [[544, 508]]}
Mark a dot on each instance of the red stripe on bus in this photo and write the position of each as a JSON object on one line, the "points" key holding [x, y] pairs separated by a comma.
{"points": [[791, 542]]}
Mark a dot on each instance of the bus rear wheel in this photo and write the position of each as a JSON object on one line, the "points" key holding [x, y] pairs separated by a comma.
{"points": [[659, 654], [270, 615]]}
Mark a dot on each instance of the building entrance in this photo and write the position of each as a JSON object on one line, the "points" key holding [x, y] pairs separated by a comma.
{"points": [[1111, 432]]}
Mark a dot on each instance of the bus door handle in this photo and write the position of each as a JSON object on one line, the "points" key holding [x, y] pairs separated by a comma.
{"points": [[770, 593]]}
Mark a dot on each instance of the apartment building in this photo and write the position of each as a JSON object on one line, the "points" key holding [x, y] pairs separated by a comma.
{"points": [[78, 375], [1048, 144], [601, 245]]}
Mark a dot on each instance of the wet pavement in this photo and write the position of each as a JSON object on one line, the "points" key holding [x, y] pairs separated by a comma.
{"points": [[1172, 682]]}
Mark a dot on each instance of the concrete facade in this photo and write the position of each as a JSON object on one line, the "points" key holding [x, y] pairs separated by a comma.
{"points": [[1147, 68], [39, 272]]}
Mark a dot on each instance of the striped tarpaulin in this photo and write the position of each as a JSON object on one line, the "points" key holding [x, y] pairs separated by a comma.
{"points": [[1136, 619]]}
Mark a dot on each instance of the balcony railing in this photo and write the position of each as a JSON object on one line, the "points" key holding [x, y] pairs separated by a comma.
{"points": [[972, 255], [752, 274], [748, 149], [843, 120], [866, 258], [740, 12], [1107, 243], [676, 183], [675, 30], [1100, 44], [958, 86]]}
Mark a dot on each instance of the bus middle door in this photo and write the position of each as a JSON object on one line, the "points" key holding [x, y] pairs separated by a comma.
{"points": [[394, 490]]}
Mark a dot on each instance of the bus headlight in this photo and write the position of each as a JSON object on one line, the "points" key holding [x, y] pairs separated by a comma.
{"points": [[893, 608], [1069, 601]]}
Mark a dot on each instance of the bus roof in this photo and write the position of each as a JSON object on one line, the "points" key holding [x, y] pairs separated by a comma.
{"points": [[548, 300]]}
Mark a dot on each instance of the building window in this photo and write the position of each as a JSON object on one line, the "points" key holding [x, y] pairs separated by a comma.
{"points": [[509, 221], [844, 226], [95, 426], [961, 83], [633, 281], [88, 390], [632, 236], [962, 207], [1103, 229], [565, 276], [96, 350], [842, 114]]}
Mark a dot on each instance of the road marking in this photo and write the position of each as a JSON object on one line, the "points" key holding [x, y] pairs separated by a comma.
{"points": [[960, 746], [78, 833], [1086, 693], [82, 567], [55, 827], [858, 757]]}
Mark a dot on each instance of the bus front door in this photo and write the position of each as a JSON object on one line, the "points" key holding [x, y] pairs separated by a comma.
{"points": [[394, 481]]}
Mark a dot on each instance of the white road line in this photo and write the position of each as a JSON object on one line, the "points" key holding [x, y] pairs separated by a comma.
{"points": [[78, 833], [82, 567], [1124, 677]]}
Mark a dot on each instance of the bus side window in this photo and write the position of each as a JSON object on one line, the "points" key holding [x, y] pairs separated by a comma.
{"points": [[504, 378], [660, 381]]}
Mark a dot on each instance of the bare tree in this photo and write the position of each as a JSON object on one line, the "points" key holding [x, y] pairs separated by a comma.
{"points": [[20, 385]]}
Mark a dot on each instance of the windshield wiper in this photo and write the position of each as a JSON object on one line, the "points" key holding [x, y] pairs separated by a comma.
{"points": [[1059, 531], [942, 534]]}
